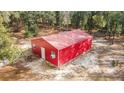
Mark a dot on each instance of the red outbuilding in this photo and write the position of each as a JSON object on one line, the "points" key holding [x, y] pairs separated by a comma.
{"points": [[62, 47]]}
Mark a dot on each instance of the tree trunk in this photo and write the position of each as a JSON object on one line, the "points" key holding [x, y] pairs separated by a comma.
{"points": [[57, 13], [113, 38]]}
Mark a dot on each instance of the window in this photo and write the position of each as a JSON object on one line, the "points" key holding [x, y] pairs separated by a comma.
{"points": [[53, 55], [34, 46]]}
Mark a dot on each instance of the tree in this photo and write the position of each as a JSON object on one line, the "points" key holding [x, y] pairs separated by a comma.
{"points": [[114, 26], [57, 16], [15, 21], [122, 21], [12, 20], [100, 20], [30, 23], [7, 49], [76, 19], [90, 21]]}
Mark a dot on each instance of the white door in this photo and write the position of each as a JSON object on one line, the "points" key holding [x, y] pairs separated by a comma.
{"points": [[43, 53]]}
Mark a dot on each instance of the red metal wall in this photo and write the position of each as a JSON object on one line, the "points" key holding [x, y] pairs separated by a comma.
{"points": [[65, 54], [48, 48], [72, 51]]}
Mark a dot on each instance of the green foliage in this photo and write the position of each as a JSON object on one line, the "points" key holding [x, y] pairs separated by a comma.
{"points": [[114, 63], [100, 22], [27, 34], [89, 20], [7, 48], [57, 15], [30, 20], [31, 33], [76, 19], [114, 22]]}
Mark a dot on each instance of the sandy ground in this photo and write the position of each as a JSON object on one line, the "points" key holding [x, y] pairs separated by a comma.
{"points": [[94, 65]]}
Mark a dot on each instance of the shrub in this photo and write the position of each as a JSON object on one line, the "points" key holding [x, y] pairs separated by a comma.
{"points": [[7, 48], [31, 31], [27, 34]]}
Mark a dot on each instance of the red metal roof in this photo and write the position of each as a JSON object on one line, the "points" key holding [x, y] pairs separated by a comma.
{"points": [[67, 38]]}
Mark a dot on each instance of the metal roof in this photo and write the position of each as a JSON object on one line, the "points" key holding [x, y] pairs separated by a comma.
{"points": [[67, 38]]}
